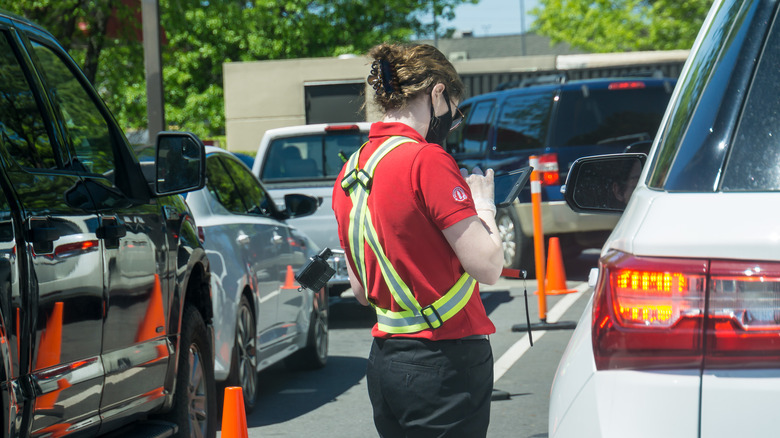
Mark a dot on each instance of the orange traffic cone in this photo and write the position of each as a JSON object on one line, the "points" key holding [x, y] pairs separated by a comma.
{"points": [[289, 280], [153, 324], [51, 339], [233, 414], [555, 282]]}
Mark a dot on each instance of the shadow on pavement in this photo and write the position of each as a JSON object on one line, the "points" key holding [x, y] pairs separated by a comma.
{"points": [[491, 300], [284, 395]]}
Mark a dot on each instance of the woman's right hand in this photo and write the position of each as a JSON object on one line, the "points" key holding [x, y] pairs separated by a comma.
{"points": [[482, 188]]}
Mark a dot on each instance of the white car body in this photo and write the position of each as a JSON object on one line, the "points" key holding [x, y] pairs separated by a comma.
{"points": [[715, 226], [321, 226], [255, 256]]}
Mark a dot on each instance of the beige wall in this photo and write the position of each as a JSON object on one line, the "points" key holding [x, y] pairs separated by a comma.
{"points": [[270, 94]]}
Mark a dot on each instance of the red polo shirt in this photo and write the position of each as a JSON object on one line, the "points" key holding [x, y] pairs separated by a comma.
{"points": [[416, 192]]}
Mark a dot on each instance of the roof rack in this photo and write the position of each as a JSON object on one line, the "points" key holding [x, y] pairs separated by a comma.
{"points": [[551, 79]]}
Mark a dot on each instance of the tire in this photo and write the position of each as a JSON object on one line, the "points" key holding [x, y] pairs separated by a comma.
{"points": [[243, 364], [518, 249], [195, 401], [315, 354]]}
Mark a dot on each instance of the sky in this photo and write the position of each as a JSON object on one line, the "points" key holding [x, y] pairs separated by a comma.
{"points": [[492, 17]]}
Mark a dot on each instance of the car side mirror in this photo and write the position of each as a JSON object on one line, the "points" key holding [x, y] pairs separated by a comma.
{"points": [[298, 205], [603, 183], [180, 164]]}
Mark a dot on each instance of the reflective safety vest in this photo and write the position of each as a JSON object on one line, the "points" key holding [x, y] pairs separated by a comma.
{"points": [[414, 318]]}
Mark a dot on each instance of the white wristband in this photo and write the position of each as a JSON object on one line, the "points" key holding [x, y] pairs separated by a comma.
{"points": [[485, 204]]}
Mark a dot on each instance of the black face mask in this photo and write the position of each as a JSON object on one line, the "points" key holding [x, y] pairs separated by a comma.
{"points": [[439, 126]]}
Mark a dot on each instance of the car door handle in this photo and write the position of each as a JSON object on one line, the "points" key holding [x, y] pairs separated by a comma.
{"points": [[111, 228], [41, 231], [112, 231], [43, 234], [243, 239]]}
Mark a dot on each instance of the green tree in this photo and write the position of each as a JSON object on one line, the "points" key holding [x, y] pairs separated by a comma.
{"points": [[81, 26], [200, 35], [621, 25]]}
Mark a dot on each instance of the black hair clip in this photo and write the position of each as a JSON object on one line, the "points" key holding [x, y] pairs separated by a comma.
{"points": [[382, 77], [387, 76]]}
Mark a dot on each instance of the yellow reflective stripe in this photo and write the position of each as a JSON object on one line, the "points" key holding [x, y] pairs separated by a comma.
{"points": [[447, 306], [359, 195], [395, 284], [413, 318]]}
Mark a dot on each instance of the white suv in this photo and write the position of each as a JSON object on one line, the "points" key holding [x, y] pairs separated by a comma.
{"points": [[307, 159], [682, 335]]}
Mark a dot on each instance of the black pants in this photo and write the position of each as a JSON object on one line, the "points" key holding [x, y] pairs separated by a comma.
{"points": [[424, 389]]}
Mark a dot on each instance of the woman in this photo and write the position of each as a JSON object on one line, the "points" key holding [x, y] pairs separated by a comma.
{"points": [[419, 235]]}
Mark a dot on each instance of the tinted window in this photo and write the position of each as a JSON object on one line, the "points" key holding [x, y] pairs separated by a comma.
{"points": [[313, 156], [22, 127], [222, 187], [689, 156], [255, 198], [85, 125], [472, 135], [754, 162], [588, 117], [523, 121]]}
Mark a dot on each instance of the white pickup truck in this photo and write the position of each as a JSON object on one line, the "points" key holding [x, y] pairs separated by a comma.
{"points": [[307, 159]]}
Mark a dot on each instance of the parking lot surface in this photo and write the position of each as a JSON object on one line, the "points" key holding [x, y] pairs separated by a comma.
{"points": [[333, 401]]}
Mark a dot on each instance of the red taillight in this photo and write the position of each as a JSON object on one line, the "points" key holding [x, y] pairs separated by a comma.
{"points": [[331, 128], [626, 85], [743, 315], [548, 168], [686, 313], [648, 313], [75, 248]]}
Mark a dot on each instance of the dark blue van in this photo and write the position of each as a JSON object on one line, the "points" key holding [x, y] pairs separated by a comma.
{"points": [[558, 123]]}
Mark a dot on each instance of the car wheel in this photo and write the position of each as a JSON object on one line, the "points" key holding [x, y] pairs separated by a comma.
{"points": [[315, 354], [518, 249], [195, 405], [243, 366]]}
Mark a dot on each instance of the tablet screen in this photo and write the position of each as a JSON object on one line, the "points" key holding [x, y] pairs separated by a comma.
{"points": [[508, 185]]}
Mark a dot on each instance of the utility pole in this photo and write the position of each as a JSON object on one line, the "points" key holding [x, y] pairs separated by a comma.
{"points": [[435, 26], [522, 26], [155, 104]]}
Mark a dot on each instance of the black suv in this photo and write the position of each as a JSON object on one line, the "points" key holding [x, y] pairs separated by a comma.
{"points": [[105, 307], [557, 122]]}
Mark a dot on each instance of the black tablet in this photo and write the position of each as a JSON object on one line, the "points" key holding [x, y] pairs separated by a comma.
{"points": [[508, 185]]}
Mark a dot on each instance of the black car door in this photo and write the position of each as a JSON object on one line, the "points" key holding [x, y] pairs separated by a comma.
{"points": [[59, 321], [135, 349]]}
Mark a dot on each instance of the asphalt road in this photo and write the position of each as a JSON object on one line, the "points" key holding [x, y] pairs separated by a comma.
{"points": [[333, 402]]}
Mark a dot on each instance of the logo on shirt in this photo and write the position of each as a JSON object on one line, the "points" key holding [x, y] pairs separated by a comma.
{"points": [[459, 194]]}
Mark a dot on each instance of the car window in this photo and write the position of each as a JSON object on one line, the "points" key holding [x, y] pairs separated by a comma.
{"points": [[256, 200], [754, 160], [472, 135], [314, 156], [84, 124], [601, 116], [221, 186], [23, 130], [338, 148], [682, 161], [523, 121]]}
